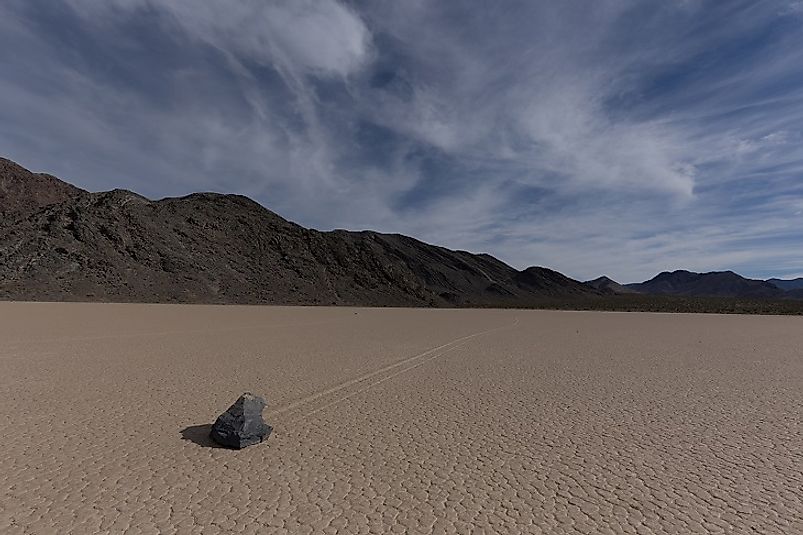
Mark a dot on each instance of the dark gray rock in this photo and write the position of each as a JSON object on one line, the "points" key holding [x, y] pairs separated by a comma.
{"points": [[242, 424]]}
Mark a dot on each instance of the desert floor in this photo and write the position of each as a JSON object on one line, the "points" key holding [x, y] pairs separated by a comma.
{"points": [[399, 421]]}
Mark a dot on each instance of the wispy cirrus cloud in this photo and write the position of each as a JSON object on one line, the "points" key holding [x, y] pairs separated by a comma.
{"points": [[324, 37], [618, 137]]}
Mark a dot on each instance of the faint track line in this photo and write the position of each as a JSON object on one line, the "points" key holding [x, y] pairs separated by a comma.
{"points": [[337, 388], [380, 381]]}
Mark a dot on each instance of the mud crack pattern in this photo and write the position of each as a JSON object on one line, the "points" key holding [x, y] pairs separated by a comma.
{"points": [[400, 421]]}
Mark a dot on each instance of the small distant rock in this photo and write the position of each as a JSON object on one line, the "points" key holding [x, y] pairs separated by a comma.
{"points": [[242, 424]]}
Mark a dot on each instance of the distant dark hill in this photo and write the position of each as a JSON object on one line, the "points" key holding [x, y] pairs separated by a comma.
{"points": [[609, 286], [548, 282], [715, 284], [790, 284], [61, 243]]}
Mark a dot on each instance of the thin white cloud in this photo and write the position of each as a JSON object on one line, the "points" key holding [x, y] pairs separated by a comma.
{"points": [[317, 36], [571, 137]]}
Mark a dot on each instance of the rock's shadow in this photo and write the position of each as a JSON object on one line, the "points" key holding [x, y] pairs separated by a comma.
{"points": [[199, 434]]}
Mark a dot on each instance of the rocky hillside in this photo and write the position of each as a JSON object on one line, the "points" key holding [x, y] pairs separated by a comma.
{"points": [[21, 190], [58, 242]]}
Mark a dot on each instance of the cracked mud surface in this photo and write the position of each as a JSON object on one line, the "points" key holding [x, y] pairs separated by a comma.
{"points": [[399, 421]]}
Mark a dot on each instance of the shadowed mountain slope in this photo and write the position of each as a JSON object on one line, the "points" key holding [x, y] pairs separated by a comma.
{"points": [[61, 243], [609, 286], [715, 283], [795, 294], [788, 284]]}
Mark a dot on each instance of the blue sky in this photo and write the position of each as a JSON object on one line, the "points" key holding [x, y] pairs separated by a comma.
{"points": [[618, 137]]}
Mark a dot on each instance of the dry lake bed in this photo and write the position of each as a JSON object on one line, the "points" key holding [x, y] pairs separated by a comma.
{"points": [[399, 421]]}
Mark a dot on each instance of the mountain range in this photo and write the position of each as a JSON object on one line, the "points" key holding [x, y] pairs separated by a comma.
{"points": [[711, 284], [715, 284], [59, 242]]}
